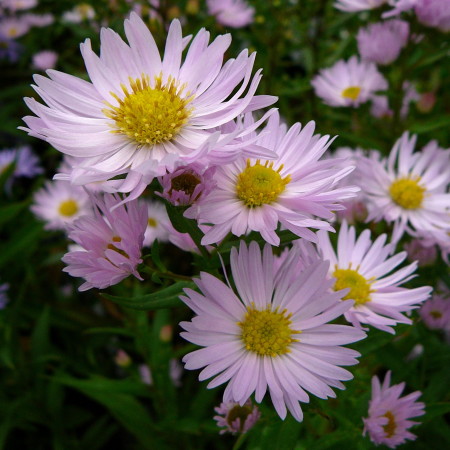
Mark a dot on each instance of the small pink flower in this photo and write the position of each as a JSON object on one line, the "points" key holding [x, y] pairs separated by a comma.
{"points": [[389, 414], [231, 13], [112, 241], [46, 59], [235, 418], [436, 313]]}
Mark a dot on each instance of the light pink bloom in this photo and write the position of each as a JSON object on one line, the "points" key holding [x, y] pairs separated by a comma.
{"points": [[358, 5], [234, 418], [389, 414], [409, 188], [59, 204], [45, 59], [187, 184], [256, 194], [13, 27], [141, 115], [436, 313], [273, 334], [158, 223], [231, 13], [382, 42], [367, 269], [112, 242], [349, 83], [19, 5]]}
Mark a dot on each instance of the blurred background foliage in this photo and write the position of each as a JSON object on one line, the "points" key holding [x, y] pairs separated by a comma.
{"points": [[63, 385]]}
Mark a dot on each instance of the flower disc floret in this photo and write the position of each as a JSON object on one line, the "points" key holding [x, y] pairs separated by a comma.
{"points": [[407, 193], [391, 426], [186, 182], [68, 208], [359, 286], [267, 332], [260, 184], [352, 92], [150, 115]]}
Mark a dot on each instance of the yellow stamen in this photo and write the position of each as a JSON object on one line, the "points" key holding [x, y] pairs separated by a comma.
{"points": [[68, 208], [152, 222], [352, 92], [258, 185], [407, 193], [391, 426], [359, 286]]}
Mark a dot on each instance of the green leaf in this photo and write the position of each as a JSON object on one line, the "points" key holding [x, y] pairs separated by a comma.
{"points": [[433, 410], [165, 298], [435, 124]]}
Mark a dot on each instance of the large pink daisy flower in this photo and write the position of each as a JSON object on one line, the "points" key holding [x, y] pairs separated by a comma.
{"points": [[142, 113], [273, 334], [296, 190]]}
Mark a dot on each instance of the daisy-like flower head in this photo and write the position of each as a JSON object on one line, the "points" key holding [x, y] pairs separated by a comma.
{"points": [[436, 313], [187, 184], [434, 13], [389, 414], [234, 418], [142, 114], [158, 223], [272, 333], [382, 42], [111, 241], [59, 204], [231, 13], [366, 268], [256, 194], [13, 27], [348, 83], [358, 5], [409, 188], [19, 5]]}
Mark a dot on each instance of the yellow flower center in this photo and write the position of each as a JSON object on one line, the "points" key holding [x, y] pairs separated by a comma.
{"points": [[359, 286], [12, 32], [152, 222], [68, 208], [239, 412], [352, 92], [407, 193], [186, 182], [150, 115], [390, 427], [267, 332], [258, 185]]}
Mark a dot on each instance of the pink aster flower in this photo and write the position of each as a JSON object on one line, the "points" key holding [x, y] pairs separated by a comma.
{"points": [[234, 418], [389, 414], [112, 242], [348, 83], [436, 313], [358, 5], [187, 184], [13, 27], [367, 269], [256, 194], [45, 59], [231, 13], [59, 204], [142, 115], [382, 42], [19, 5], [272, 334], [409, 188]]}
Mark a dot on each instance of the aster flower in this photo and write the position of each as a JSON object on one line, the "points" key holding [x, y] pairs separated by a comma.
{"points": [[348, 83], [271, 334], [19, 5], [59, 204], [256, 194], [366, 268], [45, 59], [389, 414], [187, 184], [141, 115], [111, 240], [158, 223], [436, 313], [79, 13], [231, 13], [9, 49], [358, 5], [409, 188], [382, 42], [13, 27], [234, 418]]}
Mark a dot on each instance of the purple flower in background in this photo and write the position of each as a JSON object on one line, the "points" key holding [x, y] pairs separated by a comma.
{"points": [[231, 13], [112, 241], [235, 418], [436, 313], [38, 20], [19, 5], [358, 5], [45, 59], [389, 414], [9, 49], [272, 334], [381, 42]]}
